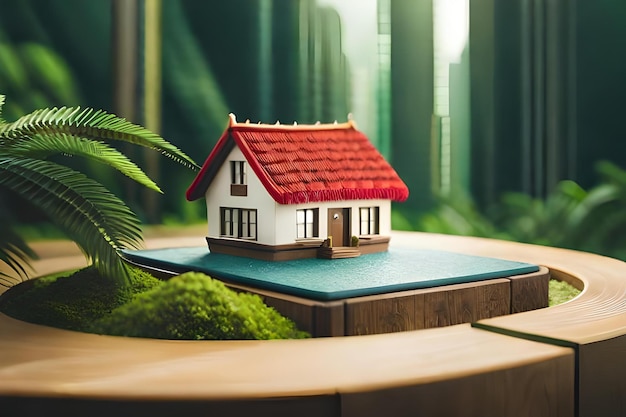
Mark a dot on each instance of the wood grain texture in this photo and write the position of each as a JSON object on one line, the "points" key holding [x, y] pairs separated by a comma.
{"points": [[436, 311], [597, 314], [427, 308], [529, 291], [594, 322], [329, 319], [368, 373], [39, 363], [319, 318], [385, 313], [373, 243], [302, 313], [495, 300], [463, 304], [534, 391]]}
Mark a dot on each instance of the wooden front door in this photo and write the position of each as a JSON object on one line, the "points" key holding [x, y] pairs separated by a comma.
{"points": [[339, 226]]}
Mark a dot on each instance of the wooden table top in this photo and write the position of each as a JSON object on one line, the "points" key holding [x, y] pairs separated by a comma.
{"points": [[598, 313], [38, 360]]}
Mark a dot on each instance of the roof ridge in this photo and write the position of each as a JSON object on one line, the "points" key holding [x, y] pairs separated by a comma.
{"points": [[233, 123], [306, 163]]}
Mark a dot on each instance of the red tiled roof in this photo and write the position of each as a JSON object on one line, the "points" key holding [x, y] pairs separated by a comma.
{"points": [[306, 163]]}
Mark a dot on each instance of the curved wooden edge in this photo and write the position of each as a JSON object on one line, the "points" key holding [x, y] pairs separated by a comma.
{"points": [[440, 367], [565, 277], [598, 313], [42, 361], [594, 323]]}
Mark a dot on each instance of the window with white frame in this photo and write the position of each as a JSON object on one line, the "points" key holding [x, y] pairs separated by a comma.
{"points": [[238, 223], [368, 221], [307, 223]]}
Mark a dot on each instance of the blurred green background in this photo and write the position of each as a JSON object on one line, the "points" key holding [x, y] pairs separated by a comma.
{"points": [[504, 118]]}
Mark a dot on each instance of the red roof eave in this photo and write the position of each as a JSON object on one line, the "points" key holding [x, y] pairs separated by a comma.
{"points": [[388, 187], [201, 182]]}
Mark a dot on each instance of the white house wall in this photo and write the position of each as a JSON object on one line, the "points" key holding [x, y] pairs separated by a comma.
{"points": [[276, 223], [286, 217], [218, 195], [384, 215]]}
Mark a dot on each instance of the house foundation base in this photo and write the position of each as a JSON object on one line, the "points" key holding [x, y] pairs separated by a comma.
{"points": [[309, 248]]}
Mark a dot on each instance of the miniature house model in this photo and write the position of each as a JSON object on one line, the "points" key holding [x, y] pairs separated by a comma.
{"points": [[279, 192]]}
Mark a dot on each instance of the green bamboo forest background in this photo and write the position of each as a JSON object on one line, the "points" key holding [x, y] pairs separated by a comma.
{"points": [[522, 139]]}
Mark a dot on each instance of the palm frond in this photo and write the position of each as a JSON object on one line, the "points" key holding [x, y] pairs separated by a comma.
{"points": [[91, 124], [41, 147], [99, 222], [14, 253]]}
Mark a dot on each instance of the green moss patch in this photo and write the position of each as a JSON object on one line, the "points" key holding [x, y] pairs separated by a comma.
{"points": [[192, 306], [560, 292], [75, 300]]}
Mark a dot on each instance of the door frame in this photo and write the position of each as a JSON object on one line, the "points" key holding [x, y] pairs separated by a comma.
{"points": [[346, 218]]}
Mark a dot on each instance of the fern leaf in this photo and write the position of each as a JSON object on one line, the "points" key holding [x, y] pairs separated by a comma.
{"points": [[41, 147], [14, 253], [91, 124], [99, 222]]}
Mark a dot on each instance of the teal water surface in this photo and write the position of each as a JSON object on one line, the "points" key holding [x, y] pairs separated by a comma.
{"points": [[324, 279]]}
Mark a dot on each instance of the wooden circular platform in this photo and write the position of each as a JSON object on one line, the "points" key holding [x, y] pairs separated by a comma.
{"points": [[560, 361], [430, 288]]}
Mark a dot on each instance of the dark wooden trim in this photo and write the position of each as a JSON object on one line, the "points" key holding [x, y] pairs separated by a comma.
{"points": [[239, 190], [249, 249], [373, 243], [530, 291], [338, 252], [244, 244], [298, 250]]}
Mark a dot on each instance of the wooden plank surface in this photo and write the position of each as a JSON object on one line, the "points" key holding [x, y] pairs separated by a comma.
{"points": [[385, 313], [597, 314], [330, 319], [594, 322], [40, 362], [367, 372], [302, 313], [463, 304], [427, 308], [495, 300], [529, 291], [494, 394]]}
